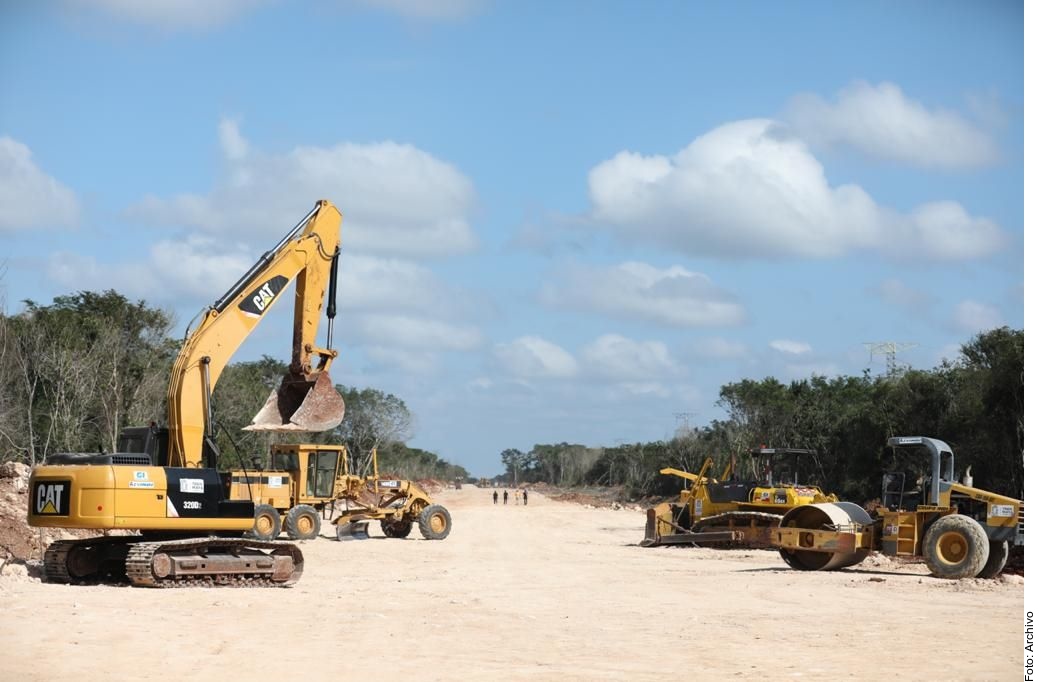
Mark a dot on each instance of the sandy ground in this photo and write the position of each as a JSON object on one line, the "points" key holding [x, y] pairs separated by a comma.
{"points": [[550, 591]]}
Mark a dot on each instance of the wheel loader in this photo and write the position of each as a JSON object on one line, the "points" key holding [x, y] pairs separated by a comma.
{"points": [[959, 530], [733, 513], [304, 484], [163, 483]]}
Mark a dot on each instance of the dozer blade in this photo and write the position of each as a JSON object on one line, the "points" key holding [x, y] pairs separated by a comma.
{"points": [[301, 403], [352, 530]]}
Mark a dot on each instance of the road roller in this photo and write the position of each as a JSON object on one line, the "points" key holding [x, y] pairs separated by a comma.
{"points": [[959, 530]]}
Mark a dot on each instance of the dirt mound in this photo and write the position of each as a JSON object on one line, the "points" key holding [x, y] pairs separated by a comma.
{"points": [[600, 498]]}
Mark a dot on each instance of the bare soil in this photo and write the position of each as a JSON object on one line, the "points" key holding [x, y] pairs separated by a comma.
{"points": [[549, 591]]}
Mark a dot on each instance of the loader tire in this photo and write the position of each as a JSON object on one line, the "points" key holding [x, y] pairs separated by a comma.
{"points": [[955, 546], [396, 529], [998, 552], [303, 522], [267, 523], [434, 522]]}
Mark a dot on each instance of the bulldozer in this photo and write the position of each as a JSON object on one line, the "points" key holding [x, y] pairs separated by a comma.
{"points": [[728, 512], [163, 483], [305, 484], [959, 530]]}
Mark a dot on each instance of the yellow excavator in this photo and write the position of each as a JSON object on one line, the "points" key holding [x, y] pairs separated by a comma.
{"points": [[164, 482]]}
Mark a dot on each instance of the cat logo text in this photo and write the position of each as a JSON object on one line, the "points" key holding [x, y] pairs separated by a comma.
{"points": [[51, 498]]}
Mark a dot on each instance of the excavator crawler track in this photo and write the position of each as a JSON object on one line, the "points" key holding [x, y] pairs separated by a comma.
{"points": [[195, 562]]}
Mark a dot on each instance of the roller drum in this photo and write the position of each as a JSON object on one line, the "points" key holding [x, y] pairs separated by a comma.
{"points": [[824, 516]]}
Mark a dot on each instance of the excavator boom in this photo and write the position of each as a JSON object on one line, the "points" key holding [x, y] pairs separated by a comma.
{"points": [[306, 400]]}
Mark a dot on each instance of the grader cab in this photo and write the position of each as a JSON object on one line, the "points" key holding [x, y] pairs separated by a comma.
{"points": [[305, 484]]}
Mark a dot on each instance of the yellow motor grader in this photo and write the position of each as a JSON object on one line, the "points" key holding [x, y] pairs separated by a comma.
{"points": [[959, 530], [304, 484], [728, 512]]}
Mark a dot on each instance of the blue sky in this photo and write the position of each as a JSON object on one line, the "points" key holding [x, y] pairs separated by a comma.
{"points": [[563, 221]]}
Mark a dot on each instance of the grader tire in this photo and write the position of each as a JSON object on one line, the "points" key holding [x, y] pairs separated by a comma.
{"points": [[396, 529], [303, 522], [434, 522], [955, 546], [998, 552], [267, 523]]}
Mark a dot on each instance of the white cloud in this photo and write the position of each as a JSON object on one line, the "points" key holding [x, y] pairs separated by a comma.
{"points": [[198, 267], [427, 9], [882, 122], [619, 358], [944, 230], [790, 347], [750, 189], [718, 348], [673, 296], [395, 199], [174, 14], [232, 143], [29, 197], [416, 333], [71, 270], [410, 360], [370, 283], [896, 292], [532, 356], [972, 317]]}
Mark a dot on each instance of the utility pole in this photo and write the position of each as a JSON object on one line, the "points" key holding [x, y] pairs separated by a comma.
{"points": [[891, 350]]}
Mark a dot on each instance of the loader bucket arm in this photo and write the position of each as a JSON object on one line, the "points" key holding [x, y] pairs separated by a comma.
{"points": [[305, 253]]}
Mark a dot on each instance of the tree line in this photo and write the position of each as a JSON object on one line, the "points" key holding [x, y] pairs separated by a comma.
{"points": [[975, 403], [77, 371]]}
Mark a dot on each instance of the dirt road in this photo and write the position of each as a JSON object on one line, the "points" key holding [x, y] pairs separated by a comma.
{"points": [[550, 591]]}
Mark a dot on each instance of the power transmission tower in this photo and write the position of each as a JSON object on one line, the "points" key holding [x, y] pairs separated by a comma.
{"points": [[682, 423], [891, 349]]}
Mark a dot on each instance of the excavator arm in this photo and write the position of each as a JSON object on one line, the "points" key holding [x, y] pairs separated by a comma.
{"points": [[306, 400]]}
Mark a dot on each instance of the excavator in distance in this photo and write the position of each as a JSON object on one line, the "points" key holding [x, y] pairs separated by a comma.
{"points": [[164, 483]]}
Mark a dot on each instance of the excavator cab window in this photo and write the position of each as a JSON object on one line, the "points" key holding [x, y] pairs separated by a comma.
{"points": [[321, 474]]}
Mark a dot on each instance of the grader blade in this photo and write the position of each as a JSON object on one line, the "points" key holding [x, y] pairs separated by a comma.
{"points": [[301, 403], [352, 530]]}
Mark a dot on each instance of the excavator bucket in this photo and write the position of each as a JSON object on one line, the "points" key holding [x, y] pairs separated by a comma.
{"points": [[301, 403], [352, 530]]}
